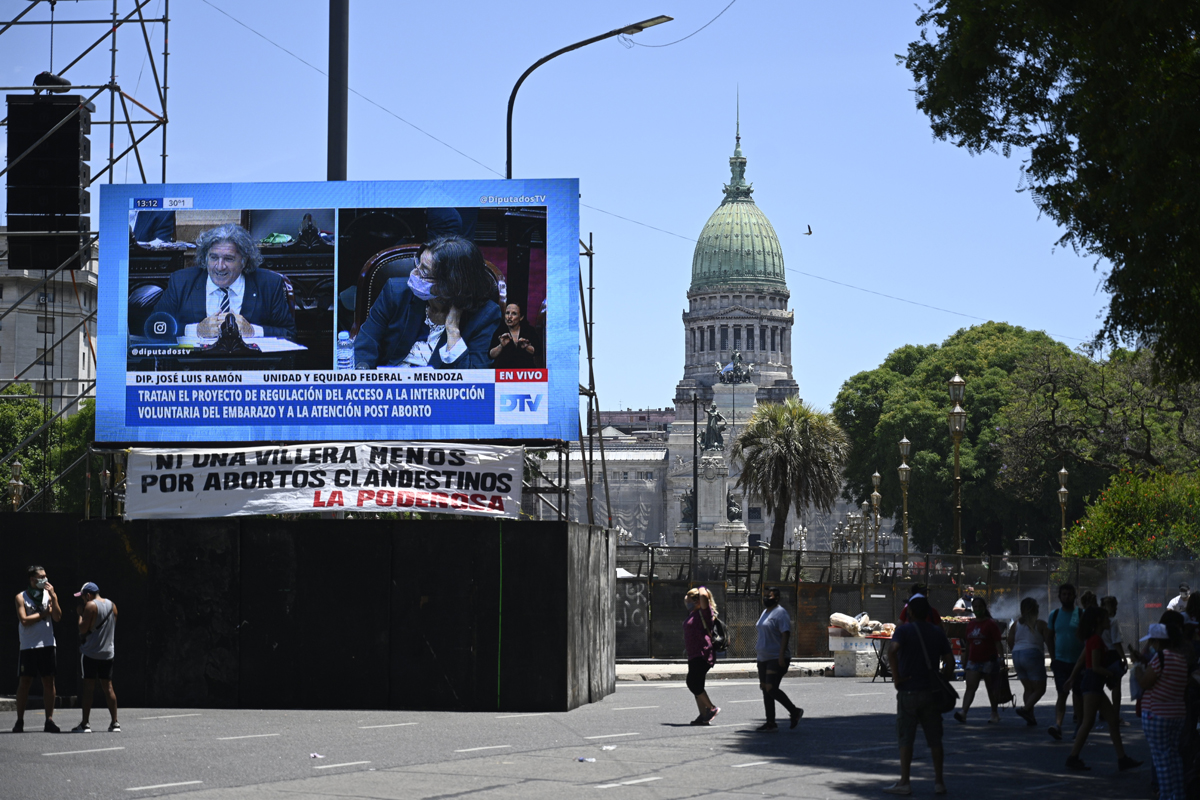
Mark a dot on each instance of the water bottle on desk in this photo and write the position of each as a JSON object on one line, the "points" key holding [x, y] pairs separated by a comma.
{"points": [[345, 351]]}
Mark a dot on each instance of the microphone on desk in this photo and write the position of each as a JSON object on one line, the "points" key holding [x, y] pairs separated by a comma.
{"points": [[161, 326]]}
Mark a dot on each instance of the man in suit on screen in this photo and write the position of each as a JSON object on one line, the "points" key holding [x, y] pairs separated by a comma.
{"points": [[228, 279]]}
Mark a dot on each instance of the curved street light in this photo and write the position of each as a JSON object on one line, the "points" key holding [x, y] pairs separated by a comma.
{"points": [[628, 30]]}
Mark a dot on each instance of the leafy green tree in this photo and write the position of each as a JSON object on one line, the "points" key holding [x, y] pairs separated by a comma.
{"points": [[21, 414], [51, 454], [906, 396], [792, 457], [1105, 97], [1154, 515]]}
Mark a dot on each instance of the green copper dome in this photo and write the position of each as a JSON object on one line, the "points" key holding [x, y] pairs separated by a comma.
{"points": [[738, 247]]}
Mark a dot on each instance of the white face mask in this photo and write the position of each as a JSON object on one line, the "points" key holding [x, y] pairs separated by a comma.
{"points": [[420, 286]]}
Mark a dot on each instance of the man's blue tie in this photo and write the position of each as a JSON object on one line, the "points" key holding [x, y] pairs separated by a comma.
{"points": [[224, 301]]}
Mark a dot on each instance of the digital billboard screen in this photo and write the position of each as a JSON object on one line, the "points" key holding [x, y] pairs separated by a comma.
{"points": [[344, 310]]}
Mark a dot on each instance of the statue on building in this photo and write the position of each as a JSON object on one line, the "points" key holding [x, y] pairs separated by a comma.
{"points": [[733, 509], [736, 371], [713, 437], [687, 507]]}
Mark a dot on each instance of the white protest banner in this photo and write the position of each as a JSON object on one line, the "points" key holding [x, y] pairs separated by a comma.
{"points": [[438, 478]]}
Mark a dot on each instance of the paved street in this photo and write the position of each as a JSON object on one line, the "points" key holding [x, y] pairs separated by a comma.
{"points": [[843, 748]]}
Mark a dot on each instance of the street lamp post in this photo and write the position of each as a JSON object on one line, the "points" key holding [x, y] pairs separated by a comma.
{"points": [[15, 487], [628, 30], [958, 423], [1062, 504], [904, 471], [875, 498], [864, 524]]}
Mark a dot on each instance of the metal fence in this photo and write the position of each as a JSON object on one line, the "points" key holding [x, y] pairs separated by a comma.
{"points": [[813, 585]]}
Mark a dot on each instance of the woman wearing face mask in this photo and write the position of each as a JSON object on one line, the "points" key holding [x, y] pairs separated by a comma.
{"points": [[441, 317], [774, 628], [515, 343], [697, 640]]}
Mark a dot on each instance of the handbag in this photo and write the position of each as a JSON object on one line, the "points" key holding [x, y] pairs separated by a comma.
{"points": [[999, 689], [947, 695], [719, 635]]}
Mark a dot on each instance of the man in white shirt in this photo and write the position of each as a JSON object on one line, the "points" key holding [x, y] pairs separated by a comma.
{"points": [[37, 611], [1180, 601]]}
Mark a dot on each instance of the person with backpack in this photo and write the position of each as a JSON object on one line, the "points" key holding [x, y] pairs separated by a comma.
{"points": [[698, 634], [1064, 645], [1164, 684]]}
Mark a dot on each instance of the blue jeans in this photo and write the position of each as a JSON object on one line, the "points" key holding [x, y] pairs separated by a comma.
{"points": [[1030, 665]]}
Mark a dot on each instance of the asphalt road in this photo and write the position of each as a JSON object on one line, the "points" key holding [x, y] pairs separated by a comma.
{"points": [[843, 748]]}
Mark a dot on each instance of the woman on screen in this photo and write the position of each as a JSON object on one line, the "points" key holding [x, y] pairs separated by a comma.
{"points": [[515, 343], [442, 316]]}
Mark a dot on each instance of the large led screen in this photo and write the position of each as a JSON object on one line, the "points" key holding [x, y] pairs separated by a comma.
{"points": [[344, 310]]}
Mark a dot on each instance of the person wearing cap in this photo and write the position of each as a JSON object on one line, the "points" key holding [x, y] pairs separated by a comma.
{"points": [[1179, 603], [97, 626], [37, 611], [1164, 687]]}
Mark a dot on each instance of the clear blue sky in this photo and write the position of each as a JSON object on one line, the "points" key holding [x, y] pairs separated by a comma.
{"points": [[829, 126]]}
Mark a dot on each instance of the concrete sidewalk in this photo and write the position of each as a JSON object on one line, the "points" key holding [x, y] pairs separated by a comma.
{"points": [[676, 670]]}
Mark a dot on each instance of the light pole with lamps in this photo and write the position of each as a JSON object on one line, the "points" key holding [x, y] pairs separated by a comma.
{"points": [[958, 424], [875, 498], [628, 30], [904, 471], [864, 520], [15, 487], [1062, 504]]}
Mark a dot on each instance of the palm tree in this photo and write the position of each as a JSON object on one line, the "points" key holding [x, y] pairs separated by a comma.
{"points": [[792, 456]]}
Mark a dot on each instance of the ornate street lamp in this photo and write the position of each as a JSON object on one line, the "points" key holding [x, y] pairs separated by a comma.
{"points": [[875, 498], [864, 523], [15, 487], [904, 471], [958, 424], [1062, 504]]}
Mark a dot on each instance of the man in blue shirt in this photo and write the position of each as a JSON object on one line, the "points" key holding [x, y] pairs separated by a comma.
{"points": [[916, 647], [1065, 648]]}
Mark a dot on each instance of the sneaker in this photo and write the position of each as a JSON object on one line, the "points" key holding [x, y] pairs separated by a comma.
{"points": [[1128, 763], [115, 727], [1026, 715], [795, 718], [1076, 763], [19, 727], [899, 788], [700, 720], [1055, 733], [767, 726], [711, 714], [960, 717], [82, 727], [50, 727]]}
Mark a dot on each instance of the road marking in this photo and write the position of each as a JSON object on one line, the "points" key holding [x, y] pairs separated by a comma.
{"points": [[626, 783], [735, 702], [633, 708], [1047, 786], [522, 716], [869, 749], [612, 735], [169, 716], [251, 736], [392, 725], [751, 764], [347, 764], [73, 752], [866, 694], [492, 747], [162, 786]]}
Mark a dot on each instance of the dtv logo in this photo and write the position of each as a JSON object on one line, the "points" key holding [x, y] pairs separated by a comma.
{"points": [[520, 402]]}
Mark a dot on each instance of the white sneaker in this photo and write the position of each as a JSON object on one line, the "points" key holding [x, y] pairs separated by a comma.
{"points": [[82, 727]]}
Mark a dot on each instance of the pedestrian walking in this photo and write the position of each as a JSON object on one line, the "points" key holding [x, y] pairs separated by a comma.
{"points": [[1114, 654], [1027, 643], [1091, 673], [97, 629], [913, 653], [983, 658], [1065, 646], [697, 641], [37, 611], [1164, 687], [774, 629]]}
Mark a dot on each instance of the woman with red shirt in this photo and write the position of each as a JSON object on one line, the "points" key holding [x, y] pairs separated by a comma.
{"points": [[983, 656], [1091, 671]]}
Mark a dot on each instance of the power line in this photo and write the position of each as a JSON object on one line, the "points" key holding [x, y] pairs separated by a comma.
{"points": [[630, 40]]}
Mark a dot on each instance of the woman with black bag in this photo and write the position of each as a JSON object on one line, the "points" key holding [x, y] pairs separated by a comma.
{"points": [[699, 630]]}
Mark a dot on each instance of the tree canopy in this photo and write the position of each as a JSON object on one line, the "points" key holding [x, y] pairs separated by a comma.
{"points": [[1105, 95], [1150, 515], [52, 453], [906, 396]]}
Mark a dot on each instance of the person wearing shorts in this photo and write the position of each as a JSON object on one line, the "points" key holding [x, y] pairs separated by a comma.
{"points": [[1027, 643], [915, 648], [1065, 647], [983, 657], [1091, 674], [97, 630], [37, 611]]}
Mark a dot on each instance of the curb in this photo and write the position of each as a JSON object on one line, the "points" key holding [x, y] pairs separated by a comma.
{"points": [[750, 674]]}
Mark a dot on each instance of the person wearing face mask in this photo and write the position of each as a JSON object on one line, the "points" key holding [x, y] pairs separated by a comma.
{"points": [[515, 342], [774, 627], [37, 611], [442, 316], [228, 279], [697, 641]]}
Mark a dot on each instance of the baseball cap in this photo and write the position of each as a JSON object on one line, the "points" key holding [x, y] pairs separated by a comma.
{"points": [[1183, 587], [88, 587], [1157, 631]]}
